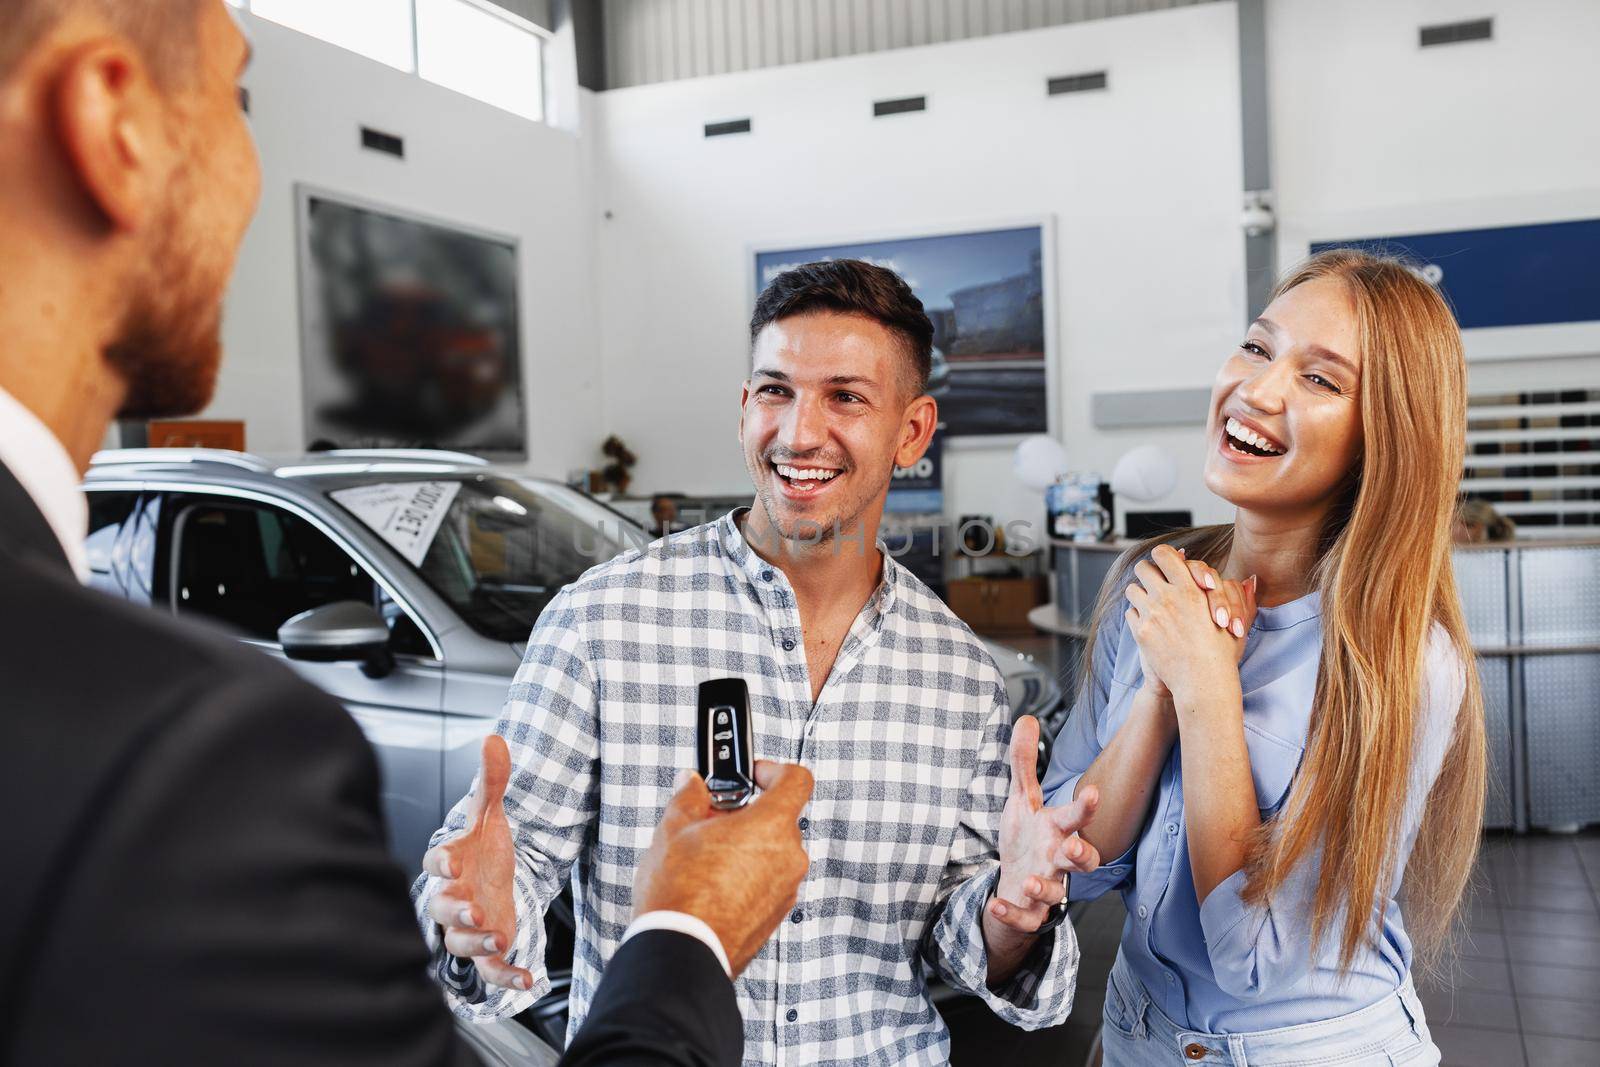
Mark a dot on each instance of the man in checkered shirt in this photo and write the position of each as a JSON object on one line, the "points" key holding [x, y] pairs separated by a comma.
{"points": [[923, 848]]}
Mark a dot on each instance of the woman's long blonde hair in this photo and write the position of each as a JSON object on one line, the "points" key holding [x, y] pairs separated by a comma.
{"points": [[1385, 574]]}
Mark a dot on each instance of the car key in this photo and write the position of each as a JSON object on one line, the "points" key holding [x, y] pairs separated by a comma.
{"points": [[727, 750]]}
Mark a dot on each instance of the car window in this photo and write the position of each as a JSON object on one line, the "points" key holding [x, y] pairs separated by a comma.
{"points": [[121, 543], [253, 566], [498, 549]]}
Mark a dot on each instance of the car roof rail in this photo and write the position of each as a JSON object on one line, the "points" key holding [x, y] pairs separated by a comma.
{"points": [[407, 453], [112, 457]]}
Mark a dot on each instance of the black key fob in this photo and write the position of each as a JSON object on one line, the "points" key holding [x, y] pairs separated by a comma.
{"points": [[727, 751]]}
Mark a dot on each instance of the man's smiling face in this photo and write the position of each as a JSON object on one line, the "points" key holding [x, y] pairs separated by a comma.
{"points": [[828, 413]]}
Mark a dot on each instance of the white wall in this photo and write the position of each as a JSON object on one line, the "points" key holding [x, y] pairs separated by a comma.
{"points": [[465, 162], [1374, 136], [1142, 180]]}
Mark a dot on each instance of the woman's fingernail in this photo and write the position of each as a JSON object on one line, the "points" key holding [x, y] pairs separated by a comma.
{"points": [[999, 910], [1183, 553], [1238, 627], [491, 944], [1208, 581], [464, 917], [520, 981], [1222, 616]]}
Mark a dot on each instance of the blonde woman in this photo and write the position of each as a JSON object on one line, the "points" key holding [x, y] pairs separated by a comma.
{"points": [[1281, 714]]}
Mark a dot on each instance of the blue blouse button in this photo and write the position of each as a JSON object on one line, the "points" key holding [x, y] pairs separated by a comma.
{"points": [[1172, 827], [1143, 911]]}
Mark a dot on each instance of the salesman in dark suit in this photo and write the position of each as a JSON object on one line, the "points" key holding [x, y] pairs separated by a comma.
{"points": [[194, 862]]}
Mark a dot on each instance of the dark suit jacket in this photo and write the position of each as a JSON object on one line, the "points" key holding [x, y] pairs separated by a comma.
{"points": [[194, 861]]}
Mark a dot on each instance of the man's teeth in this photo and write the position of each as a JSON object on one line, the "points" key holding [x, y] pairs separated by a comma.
{"points": [[803, 474], [1239, 430]]}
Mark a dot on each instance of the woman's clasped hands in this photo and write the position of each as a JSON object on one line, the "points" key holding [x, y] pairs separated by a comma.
{"points": [[1190, 623]]}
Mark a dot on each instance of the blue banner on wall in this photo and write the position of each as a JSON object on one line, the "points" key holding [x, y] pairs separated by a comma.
{"points": [[1507, 276]]}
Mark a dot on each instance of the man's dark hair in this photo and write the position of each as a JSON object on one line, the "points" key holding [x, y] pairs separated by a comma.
{"points": [[165, 31], [852, 287]]}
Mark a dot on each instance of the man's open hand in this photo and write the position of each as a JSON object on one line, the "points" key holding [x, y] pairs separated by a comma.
{"points": [[736, 871], [475, 904], [1039, 846]]}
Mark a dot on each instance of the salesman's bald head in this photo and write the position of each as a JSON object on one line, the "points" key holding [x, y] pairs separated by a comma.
{"points": [[166, 32]]}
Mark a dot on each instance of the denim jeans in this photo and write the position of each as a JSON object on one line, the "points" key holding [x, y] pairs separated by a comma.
{"points": [[1387, 1034]]}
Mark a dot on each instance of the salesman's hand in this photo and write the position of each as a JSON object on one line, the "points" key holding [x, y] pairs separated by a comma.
{"points": [[1039, 846], [475, 903], [738, 871]]}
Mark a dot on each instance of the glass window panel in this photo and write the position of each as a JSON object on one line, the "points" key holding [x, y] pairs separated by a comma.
{"points": [[378, 29], [465, 48]]}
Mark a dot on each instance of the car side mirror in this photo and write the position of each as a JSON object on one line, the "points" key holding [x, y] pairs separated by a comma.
{"points": [[340, 632]]}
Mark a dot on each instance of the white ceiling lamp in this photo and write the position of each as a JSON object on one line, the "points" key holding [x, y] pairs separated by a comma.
{"points": [[1144, 474], [1039, 461]]}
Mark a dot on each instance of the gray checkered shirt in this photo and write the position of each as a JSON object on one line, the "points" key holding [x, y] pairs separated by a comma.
{"points": [[907, 742]]}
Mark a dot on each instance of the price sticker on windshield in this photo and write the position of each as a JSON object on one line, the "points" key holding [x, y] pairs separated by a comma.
{"points": [[407, 515]]}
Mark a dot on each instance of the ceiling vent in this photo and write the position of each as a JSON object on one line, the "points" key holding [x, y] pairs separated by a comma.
{"points": [[1076, 83], [881, 108], [386, 143], [722, 129], [1457, 32]]}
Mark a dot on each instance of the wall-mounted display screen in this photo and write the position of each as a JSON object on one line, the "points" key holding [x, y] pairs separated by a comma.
{"points": [[985, 293], [410, 336]]}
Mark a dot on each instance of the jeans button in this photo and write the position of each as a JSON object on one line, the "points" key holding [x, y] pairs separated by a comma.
{"points": [[1195, 1051]]}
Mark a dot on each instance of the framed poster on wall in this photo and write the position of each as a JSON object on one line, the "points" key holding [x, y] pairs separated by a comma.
{"points": [[410, 335], [988, 294]]}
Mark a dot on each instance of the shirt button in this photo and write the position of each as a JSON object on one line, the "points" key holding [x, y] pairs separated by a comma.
{"points": [[1172, 827], [792, 1015], [796, 915], [1170, 979], [766, 576], [788, 645], [805, 824], [1143, 911]]}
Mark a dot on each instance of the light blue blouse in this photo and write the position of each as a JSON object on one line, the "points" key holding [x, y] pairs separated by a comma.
{"points": [[1225, 967]]}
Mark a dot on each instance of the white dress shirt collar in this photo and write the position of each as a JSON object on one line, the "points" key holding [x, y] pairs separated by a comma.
{"points": [[46, 472]]}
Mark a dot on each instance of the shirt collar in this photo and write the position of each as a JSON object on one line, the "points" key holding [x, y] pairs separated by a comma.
{"points": [[764, 575], [1291, 614], [46, 472]]}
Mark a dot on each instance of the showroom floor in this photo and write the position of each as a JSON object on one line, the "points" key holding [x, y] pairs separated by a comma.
{"points": [[1527, 987]]}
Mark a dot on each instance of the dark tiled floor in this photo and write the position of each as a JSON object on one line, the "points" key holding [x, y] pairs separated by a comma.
{"points": [[1525, 991]]}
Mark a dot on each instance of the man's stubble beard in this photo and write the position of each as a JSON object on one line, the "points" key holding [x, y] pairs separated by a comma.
{"points": [[169, 346], [805, 531]]}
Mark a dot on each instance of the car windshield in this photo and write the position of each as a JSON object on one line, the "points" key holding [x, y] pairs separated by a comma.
{"points": [[497, 548]]}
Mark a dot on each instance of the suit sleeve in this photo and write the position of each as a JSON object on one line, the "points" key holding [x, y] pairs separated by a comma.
{"points": [[664, 1002], [232, 900]]}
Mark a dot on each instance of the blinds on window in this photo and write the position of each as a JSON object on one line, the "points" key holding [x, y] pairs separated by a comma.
{"points": [[1536, 458]]}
